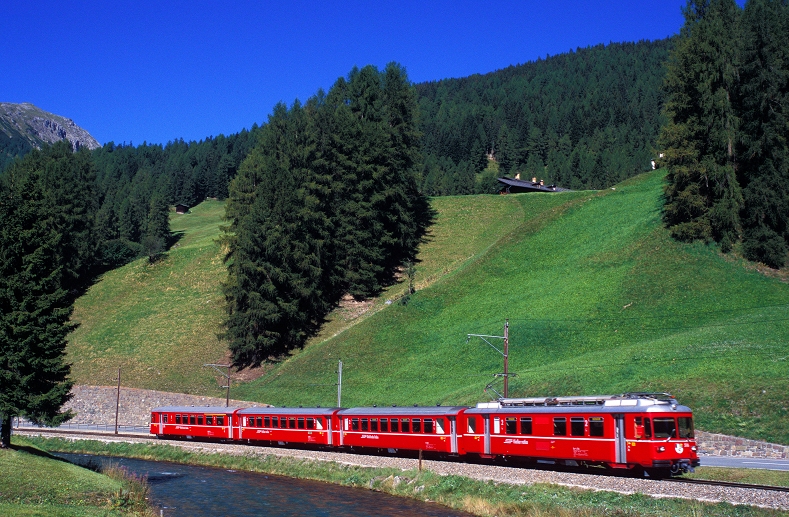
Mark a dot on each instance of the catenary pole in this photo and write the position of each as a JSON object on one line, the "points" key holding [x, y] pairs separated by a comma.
{"points": [[118, 401], [339, 385], [506, 358]]}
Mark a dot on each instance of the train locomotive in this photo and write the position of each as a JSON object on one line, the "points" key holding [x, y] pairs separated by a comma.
{"points": [[648, 433]]}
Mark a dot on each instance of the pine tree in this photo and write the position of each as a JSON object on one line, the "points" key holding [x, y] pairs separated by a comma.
{"points": [[703, 196], [326, 204], [765, 128], [275, 287], [35, 270]]}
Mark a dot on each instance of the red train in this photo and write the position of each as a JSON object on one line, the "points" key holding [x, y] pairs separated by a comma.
{"points": [[646, 432]]}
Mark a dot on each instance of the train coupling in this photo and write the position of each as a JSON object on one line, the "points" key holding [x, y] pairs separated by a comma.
{"points": [[682, 467]]}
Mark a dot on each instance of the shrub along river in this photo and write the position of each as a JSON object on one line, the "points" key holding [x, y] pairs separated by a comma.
{"points": [[186, 490]]}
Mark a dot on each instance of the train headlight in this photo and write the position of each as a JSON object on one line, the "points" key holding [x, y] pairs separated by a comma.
{"points": [[693, 448], [661, 449]]}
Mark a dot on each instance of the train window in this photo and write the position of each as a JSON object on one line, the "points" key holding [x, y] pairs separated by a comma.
{"points": [[525, 425], [275, 422], [685, 427], [310, 423], [199, 419], [577, 426], [177, 419], [301, 422], [191, 420], [260, 421], [560, 426], [395, 425], [209, 420], [405, 425], [384, 425], [154, 418], [319, 423], [220, 420], [439, 426], [292, 423], [266, 421], [665, 428], [164, 419], [596, 426], [354, 424], [472, 425], [365, 424], [647, 428], [638, 424], [428, 426], [374, 425], [417, 425], [511, 425]]}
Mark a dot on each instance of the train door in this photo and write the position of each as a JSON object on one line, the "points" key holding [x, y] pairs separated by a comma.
{"points": [[453, 435], [621, 441], [486, 419]]}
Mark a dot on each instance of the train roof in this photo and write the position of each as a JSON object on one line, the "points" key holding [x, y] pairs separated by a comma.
{"points": [[403, 411], [625, 403], [288, 411], [213, 410]]}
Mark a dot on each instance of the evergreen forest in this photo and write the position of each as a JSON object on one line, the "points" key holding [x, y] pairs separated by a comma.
{"points": [[585, 119], [726, 140]]}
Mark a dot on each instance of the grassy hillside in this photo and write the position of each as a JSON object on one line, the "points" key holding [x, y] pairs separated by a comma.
{"points": [[599, 299], [158, 322]]}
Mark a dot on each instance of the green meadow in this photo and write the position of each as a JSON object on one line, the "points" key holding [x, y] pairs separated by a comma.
{"points": [[35, 483], [599, 300]]}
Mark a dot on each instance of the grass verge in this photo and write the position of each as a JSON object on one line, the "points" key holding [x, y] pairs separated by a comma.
{"points": [[32, 482], [483, 498]]}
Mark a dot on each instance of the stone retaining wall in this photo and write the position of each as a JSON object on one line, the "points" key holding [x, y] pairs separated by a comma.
{"points": [[722, 445], [96, 405]]}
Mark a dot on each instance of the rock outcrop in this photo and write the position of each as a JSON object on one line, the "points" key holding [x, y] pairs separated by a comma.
{"points": [[28, 122]]}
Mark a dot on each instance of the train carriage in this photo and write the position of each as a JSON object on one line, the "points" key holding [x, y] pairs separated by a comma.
{"points": [[288, 425], [194, 422], [650, 431], [432, 429], [585, 435]]}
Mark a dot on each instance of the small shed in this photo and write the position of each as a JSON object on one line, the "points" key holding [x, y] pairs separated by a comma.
{"points": [[180, 208]]}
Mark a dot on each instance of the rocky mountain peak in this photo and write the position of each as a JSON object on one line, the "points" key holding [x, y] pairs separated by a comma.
{"points": [[36, 126]]}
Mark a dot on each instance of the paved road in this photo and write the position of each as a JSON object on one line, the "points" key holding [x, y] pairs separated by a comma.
{"points": [[744, 463]]}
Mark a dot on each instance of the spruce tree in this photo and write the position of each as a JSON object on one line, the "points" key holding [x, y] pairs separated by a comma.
{"points": [[326, 204], [277, 268], [36, 240], [765, 128], [703, 196]]}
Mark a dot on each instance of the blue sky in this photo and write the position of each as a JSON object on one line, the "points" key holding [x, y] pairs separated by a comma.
{"points": [[158, 71]]}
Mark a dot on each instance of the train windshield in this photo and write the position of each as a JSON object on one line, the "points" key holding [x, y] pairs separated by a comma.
{"points": [[685, 427], [665, 427]]}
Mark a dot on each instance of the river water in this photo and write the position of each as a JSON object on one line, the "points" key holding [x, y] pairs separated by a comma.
{"points": [[186, 490]]}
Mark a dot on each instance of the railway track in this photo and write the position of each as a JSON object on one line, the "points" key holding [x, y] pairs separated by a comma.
{"points": [[727, 484], [693, 489]]}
